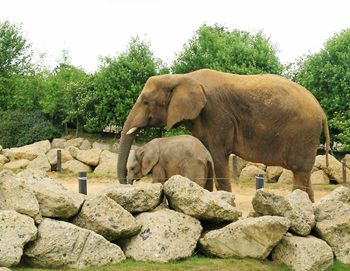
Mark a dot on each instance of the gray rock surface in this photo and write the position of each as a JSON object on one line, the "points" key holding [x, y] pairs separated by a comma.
{"points": [[228, 197], [107, 218], [188, 197], [303, 253], [250, 237], [16, 230], [136, 198], [165, 236], [64, 245]]}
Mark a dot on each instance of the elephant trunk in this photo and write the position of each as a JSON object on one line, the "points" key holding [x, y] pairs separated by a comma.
{"points": [[124, 149]]}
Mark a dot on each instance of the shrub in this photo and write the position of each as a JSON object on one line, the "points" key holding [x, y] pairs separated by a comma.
{"points": [[18, 128]]}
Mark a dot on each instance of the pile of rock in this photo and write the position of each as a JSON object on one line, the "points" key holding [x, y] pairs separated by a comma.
{"points": [[321, 174], [78, 155], [45, 225]]}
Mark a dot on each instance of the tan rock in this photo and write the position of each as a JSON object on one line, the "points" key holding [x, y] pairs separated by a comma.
{"points": [[29, 152], [250, 172], [3, 160], [101, 146], [58, 143], [90, 157], [16, 164], [286, 177], [273, 174], [73, 151], [52, 156], [75, 166], [106, 168], [319, 177], [75, 142], [85, 145], [41, 162], [334, 169]]}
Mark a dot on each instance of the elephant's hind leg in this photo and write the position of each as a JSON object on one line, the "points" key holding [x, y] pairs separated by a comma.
{"points": [[302, 181]]}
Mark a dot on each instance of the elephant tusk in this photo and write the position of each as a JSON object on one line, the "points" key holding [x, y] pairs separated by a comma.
{"points": [[133, 129]]}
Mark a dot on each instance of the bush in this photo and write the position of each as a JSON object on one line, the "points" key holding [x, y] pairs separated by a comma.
{"points": [[18, 128]]}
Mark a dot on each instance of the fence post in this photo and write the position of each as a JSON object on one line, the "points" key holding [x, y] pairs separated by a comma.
{"points": [[235, 167], [259, 181], [82, 183], [59, 161], [344, 171]]}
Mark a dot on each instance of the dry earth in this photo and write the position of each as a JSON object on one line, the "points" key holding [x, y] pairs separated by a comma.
{"points": [[244, 192]]}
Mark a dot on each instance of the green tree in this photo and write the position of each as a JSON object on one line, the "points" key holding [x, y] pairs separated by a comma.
{"points": [[234, 51], [327, 75], [119, 82]]}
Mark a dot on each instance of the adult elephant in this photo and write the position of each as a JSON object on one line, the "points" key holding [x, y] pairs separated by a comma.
{"points": [[261, 118]]}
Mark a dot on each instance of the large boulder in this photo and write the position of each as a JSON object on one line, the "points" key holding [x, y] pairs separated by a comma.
{"points": [[347, 160], [136, 198], [54, 199], [319, 177], [64, 245], [107, 218], [303, 253], [296, 207], [52, 156], [250, 237], [16, 165], [41, 162], [85, 145], [29, 152], [286, 177], [16, 195], [333, 222], [3, 160], [75, 166], [334, 169], [165, 236], [101, 146], [73, 151], [226, 196], [249, 172], [273, 173], [108, 163], [16, 230], [90, 157], [188, 197], [75, 142], [58, 143]]}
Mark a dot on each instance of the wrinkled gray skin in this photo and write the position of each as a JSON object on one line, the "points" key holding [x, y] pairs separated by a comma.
{"points": [[164, 157], [262, 118]]}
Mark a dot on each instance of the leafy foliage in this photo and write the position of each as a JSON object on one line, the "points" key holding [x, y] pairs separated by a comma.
{"points": [[327, 75], [19, 128], [234, 51]]}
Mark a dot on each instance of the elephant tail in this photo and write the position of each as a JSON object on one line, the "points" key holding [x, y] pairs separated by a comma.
{"points": [[326, 135]]}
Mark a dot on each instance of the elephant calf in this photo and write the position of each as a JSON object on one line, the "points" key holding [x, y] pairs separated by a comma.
{"points": [[164, 157]]}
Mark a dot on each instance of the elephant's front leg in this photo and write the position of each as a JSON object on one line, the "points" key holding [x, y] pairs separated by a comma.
{"points": [[158, 174], [221, 171]]}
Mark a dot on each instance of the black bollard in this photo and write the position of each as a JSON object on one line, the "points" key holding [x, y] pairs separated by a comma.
{"points": [[82, 183], [259, 181], [59, 161], [344, 171]]}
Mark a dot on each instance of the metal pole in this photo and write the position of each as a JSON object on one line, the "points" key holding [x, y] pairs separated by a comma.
{"points": [[344, 171], [235, 167], [259, 181], [59, 161], [82, 183]]}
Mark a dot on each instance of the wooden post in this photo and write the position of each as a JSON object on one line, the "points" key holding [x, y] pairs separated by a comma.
{"points": [[59, 161]]}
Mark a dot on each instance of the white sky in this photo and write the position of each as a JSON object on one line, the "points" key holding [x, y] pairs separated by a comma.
{"points": [[92, 28]]}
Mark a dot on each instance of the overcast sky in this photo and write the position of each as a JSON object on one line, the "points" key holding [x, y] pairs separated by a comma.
{"points": [[92, 28]]}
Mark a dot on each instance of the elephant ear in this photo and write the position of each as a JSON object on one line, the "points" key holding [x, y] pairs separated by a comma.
{"points": [[187, 100], [149, 157]]}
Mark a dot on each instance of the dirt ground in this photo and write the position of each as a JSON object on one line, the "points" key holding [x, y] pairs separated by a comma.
{"points": [[243, 191]]}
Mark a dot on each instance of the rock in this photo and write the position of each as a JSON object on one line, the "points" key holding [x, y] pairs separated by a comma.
{"points": [[17, 164], [86, 145], [3, 160], [75, 142], [41, 162], [107, 156], [4, 269], [64, 245], [319, 177], [249, 173], [16, 230], [303, 253], [228, 197], [90, 157], [250, 237], [273, 173], [286, 177], [73, 151], [58, 143], [346, 157], [106, 168], [188, 197], [54, 199], [136, 199], [296, 207], [334, 170], [258, 165], [101, 146], [107, 218], [333, 222], [29, 152], [1, 149], [52, 156], [75, 166], [241, 163], [16, 195], [165, 236]]}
